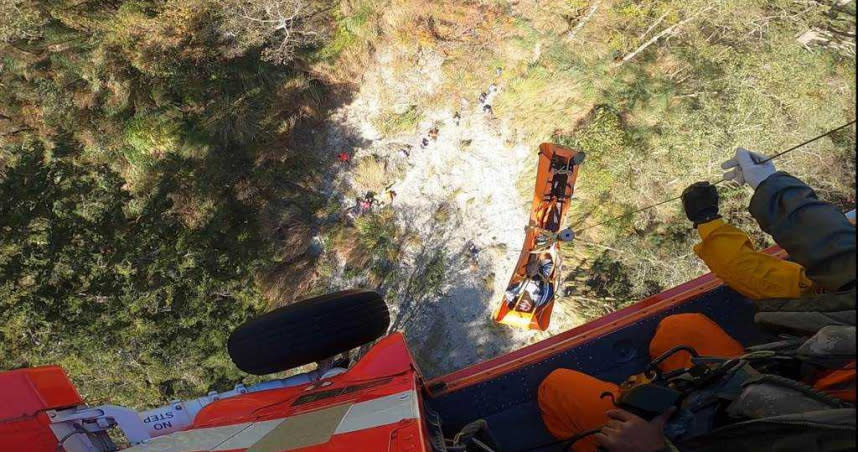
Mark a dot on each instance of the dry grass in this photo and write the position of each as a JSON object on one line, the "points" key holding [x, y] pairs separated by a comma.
{"points": [[370, 174], [391, 123], [289, 281], [534, 102]]}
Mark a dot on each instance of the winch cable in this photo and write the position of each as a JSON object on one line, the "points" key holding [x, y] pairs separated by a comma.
{"points": [[660, 203], [768, 159]]}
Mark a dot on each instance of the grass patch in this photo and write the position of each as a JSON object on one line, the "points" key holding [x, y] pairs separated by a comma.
{"points": [[355, 28], [370, 174], [431, 277], [392, 123], [375, 246]]}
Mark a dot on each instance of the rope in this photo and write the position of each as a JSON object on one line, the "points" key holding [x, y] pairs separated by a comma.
{"points": [[797, 386], [722, 180], [809, 141]]}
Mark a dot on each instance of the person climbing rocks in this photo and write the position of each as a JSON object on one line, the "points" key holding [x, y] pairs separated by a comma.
{"points": [[361, 206], [370, 199], [364, 204], [486, 99], [806, 378], [473, 250], [424, 142], [344, 157], [433, 133], [457, 118]]}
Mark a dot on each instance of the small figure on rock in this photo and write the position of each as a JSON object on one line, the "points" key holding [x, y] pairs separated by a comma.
{"points": [[316, 247], [370, 198], [364, 204], [433, 133], [424, 142], [473, 250], [457, 118], [344, 157], [361, 205]]}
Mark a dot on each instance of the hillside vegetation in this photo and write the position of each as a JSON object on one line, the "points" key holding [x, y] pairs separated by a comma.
{"points": [[168, 168]]}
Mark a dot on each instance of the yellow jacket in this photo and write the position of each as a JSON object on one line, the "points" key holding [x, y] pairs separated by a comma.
{"points": [[728, 252]]}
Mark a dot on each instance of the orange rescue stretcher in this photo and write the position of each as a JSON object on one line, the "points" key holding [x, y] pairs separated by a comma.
{"points": [[529, 297]]}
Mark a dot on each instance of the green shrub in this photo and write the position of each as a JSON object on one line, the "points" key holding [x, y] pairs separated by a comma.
{"points": [[391, 123]]}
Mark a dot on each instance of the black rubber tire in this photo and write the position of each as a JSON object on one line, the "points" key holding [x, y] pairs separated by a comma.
{"points": [[308, 331]]}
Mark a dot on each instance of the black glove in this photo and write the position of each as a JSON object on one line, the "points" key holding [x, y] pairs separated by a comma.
{"points": [[700, 201]]}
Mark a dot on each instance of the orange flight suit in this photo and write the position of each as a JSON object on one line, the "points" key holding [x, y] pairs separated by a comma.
{"points": [[569, 400]]}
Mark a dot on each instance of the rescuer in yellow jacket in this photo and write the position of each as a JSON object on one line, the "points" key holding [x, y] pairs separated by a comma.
{"points": [[728, 251], [729, 254]]}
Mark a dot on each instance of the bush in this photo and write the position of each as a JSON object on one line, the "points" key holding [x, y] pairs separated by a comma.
{"points": [[370, 174]]}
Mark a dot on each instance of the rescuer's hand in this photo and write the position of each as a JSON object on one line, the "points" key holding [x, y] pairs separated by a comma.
{"points": [[700, 201], [626, 432], [747, 169]]}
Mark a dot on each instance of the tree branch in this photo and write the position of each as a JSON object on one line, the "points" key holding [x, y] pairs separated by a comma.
{"points": [[593, 8], [654, 24], [663, 33]]}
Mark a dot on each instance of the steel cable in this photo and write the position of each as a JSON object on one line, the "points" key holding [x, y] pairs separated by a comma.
{"points": [[779, 154]]}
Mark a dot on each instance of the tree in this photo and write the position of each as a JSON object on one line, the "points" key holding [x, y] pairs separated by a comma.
{"points": [[282, 26], [143, 300]]}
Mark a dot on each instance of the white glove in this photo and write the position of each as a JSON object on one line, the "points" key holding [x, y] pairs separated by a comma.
{"points": [[747, 169]]}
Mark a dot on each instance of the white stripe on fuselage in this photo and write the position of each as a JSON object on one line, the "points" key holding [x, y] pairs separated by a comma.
{"points": [[360, 416], [381, 411]]}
